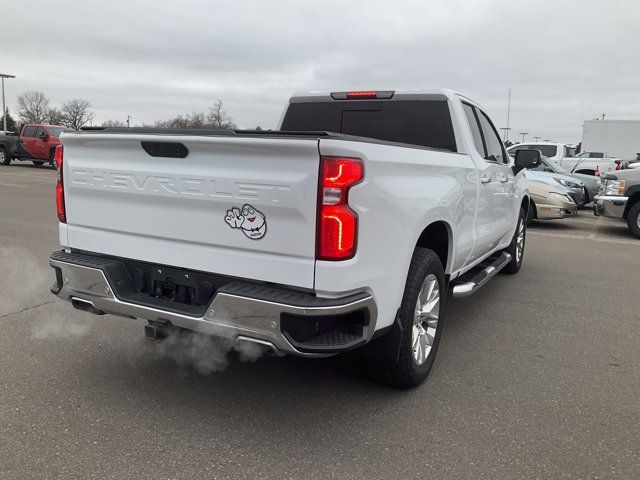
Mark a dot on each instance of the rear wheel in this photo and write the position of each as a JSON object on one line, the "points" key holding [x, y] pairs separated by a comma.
{"points": [[420, 316], [52, 159], [516, 248], [633, 219], [38, 163], [5, 159]]}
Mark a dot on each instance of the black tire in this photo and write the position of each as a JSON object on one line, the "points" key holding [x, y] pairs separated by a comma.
{"points": [[532, 214], [38, 163], [405, 372], [52, 159], [516, 253], [633, 219], [5, 158]]}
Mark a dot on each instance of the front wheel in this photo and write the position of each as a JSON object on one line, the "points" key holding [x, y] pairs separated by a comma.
{"points": [[516, 247], [633, 219], [420, 316], [5, 158]]}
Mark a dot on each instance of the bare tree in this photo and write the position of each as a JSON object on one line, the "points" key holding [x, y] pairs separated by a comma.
{"points": [[219, 118], [76, 114], [113, 123], [192, 120], [55, 116], [33, 107]]}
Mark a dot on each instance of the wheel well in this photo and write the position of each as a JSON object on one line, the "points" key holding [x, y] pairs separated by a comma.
{"points": [[633, 199], [525, 205], [532, 206], [436, 237]]}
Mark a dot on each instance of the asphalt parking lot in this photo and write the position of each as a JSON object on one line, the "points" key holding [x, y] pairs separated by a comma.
{"points": [[537, 376]]}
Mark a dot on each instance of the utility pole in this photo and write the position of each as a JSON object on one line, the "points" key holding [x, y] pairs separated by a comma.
{"points": [[505, 136], [535, 139], [128, 120], [523, 134], [506, 130], [4, 107]]}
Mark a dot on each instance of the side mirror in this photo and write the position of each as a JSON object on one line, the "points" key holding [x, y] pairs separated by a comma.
{"points": [[527, 159], [43, 136]]}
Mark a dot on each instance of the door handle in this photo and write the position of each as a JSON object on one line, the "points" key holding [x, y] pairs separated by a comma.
{"points": [[503, 178], [485, 179]]}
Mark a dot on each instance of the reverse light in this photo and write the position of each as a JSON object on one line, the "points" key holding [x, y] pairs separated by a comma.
{"points": [[60, 208], [337, 231]]}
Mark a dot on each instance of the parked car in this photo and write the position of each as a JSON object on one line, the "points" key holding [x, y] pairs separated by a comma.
{"points": [[307, 241], [568, 184], [549, 202], [590, 183], [553, 151], [36, 143], [619, 197], [564, 155]]}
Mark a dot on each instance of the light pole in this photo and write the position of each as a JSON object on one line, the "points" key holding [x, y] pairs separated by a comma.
{"points": [[535, 139], [4, 107], [505, 137], [523, 134]]}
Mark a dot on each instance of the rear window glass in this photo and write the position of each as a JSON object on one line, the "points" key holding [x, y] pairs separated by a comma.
{"points": [[425, 123]]}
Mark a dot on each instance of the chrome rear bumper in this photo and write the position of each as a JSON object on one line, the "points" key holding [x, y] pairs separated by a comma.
{"points": [[236, 311]]}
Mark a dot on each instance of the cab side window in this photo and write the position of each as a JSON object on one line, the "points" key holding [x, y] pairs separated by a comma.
{"points": [[495, 149], [475, 129], [29, 131]]}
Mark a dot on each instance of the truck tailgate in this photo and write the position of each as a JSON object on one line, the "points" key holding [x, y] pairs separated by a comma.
{"points": [[238, 206]]}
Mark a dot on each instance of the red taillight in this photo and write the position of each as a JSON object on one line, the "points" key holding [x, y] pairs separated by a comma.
{"points": [[367, 94], [337, 224], [363, 95], [60, 208]]}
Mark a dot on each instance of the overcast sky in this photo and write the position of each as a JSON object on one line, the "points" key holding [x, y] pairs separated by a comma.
{"points": [[565, 61]]}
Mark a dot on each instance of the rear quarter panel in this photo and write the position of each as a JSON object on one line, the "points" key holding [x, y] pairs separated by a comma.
{"points": [[404, 190]]}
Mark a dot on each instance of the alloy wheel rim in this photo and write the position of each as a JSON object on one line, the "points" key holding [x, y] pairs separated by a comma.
{"points": [[425, 319], [520, 241]]}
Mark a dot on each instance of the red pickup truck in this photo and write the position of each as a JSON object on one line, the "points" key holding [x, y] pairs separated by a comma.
{"points": [[36, 143]]}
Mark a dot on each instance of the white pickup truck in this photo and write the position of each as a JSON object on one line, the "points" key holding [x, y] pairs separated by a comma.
{"points": [[586, 163], [345, 229]]}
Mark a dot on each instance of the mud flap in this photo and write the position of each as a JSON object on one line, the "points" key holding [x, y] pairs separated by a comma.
{"points": [[386, 346]]}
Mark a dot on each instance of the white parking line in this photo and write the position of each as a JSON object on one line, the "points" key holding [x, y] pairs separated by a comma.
{"points": [[578, 237], [12, 185], [28, 175]]}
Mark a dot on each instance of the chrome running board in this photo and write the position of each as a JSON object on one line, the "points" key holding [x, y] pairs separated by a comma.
{"points": [[481, 278]]}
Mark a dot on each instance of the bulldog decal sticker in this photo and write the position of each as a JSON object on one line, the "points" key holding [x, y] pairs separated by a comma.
{"points": [[252, 222]]}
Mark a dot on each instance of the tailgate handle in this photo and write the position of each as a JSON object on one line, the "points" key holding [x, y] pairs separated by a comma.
{"points": [[165, 149]]}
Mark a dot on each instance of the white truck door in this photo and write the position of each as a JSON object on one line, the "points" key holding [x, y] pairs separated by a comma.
{"points": [[489, 188], [505, 196]]}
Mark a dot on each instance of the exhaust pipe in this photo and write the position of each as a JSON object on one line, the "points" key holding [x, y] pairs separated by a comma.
{"points": [[85, 306], [242, 339]]}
